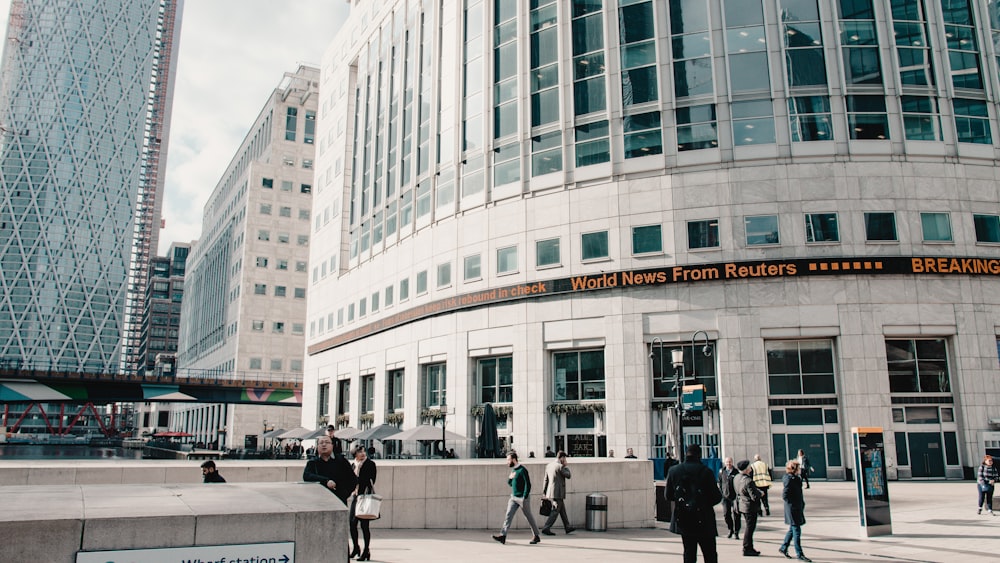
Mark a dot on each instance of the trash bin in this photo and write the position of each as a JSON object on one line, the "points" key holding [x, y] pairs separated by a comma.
{"points": [[597, 512]]}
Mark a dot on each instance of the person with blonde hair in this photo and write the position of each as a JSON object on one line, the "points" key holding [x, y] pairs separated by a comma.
{"points": [[986, 479], [795, 510]]}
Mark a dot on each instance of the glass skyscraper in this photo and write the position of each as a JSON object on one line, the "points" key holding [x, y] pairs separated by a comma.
{"points": [[84, 114]]}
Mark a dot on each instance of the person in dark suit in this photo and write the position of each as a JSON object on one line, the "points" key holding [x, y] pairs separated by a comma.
{"points": [[692, 488], [748, 501], [556, 473], [727, 476], [366, 472], [332, 470], [795, 510]]}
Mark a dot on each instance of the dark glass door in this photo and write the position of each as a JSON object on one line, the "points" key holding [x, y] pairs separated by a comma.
{"points": [[815, 447], [926, 454]]}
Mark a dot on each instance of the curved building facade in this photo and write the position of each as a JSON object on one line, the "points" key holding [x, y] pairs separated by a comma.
{"points": [[534, 204]]}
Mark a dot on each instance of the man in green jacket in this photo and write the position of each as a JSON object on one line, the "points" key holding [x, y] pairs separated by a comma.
{"points": [[520, 488]]}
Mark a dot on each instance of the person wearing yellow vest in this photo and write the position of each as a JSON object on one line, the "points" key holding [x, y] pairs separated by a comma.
{"points": [[762, 478]]}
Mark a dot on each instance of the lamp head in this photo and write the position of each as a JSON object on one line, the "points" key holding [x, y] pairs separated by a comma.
{"points": [[707, 350], [677, 357]]}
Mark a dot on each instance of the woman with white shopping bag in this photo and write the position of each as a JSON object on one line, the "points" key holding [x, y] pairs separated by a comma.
{"points": [[365, 504]]}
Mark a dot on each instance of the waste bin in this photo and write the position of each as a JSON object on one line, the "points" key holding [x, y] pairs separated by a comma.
{"points": [[597, 512]]}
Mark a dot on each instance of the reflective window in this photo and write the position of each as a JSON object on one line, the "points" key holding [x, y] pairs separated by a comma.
{"points": [[506, 164], [859, 43], [546, 153], [987, 228], [544, 62], [963, 48], [822, 227], [421, 282], [589, 93], [444, 274], [880, 226], [913, 46], [472, 267], [800, 367], [809, 118], [703, 234], [804, 60], [921, 119], [647, 239], [696, 128], [972, 121], [594, 245], [638, 52], [761, 230], [578, 375], [753, 122], [433, 382], [495, 379], [547, 252], [643, 136], [936, 227], [507, 260], [291, 120], [867, 118], [592, 144], [691, 48], [917, 366]]}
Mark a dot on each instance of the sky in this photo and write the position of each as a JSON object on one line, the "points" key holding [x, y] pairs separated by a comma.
{"points": [[233, 53]]}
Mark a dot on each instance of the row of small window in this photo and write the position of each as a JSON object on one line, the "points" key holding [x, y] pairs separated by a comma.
{"points": [[276, 365], [283, 211], [283, 238], [282, 264], [278, 327], [286, 185], [279, 290], [292, 125]]}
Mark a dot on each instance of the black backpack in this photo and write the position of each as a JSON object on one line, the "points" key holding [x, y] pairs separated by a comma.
{"points": [[689, 506]]}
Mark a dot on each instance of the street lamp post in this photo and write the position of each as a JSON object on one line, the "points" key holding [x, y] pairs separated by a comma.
{"points": [[677, 359]]}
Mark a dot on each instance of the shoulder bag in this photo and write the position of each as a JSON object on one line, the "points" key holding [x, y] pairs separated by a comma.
{"points": [[368, 506]]}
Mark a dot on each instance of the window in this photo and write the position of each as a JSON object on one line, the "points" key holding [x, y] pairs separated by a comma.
{"points": [[302, 240], [265, 209], [444, 274], [276, 364], [283, 238], [350, 312], [880, 226], [279, 291], [258, 326], [647, 239], [696, 128], [804, 61], [404, 289], [301, 266], [323, 399], [753, 123], [261, 262], [867, 118], [987, 228], [963, 49], [936, 227], [291, 121], [921, 119], [432, 385], [638, 52], [544, 71], [255, 363], [278, 327], [267, 183], [260, 289], [367, 393], [746, 47], [917, 366], [859, 43], [299, 329], [972, 121], [363, 307], [691, 48], [592, 146], [286, 185], [422, 282], [304, 214], [309, 135], [703, 234], [507, 260], [394, 389], [496, 379], [300, 293], [389, 295], [472, 267], [588, 57], [594, 245], [546, 153], [344, 396], [761, 230], [799, 367], [578, 375], [547, 252], [913, 47], [643, 136], [809, 118], [263, 235], [305, 188], [822, 227], [285, 211], [282, 265], [506, 162]]}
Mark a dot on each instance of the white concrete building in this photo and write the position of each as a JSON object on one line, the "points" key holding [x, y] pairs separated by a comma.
{"points": [[245, 291], [534, 204]]}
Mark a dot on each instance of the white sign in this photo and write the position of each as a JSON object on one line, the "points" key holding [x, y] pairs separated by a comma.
{"points": [[242, 553]]}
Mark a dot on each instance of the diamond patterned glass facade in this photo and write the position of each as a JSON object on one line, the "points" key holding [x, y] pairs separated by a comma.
{"points": [[84, 108]]}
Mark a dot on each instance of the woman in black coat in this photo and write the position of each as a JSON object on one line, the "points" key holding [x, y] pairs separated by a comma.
{"points": [[365, 469], [795, 510]]}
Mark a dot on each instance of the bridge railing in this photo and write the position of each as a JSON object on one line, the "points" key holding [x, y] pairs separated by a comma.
{"points": [[18, 368]]}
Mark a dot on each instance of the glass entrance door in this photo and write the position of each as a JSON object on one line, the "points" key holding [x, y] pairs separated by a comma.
{"points": [[926, 454], [814, 446]]}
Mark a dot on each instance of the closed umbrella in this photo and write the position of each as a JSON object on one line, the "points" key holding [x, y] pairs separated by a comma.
{"points": [[488, 444]]}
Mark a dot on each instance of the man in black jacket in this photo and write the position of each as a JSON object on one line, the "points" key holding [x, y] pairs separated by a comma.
{"points": [[728, 489], [210, 474], [333, 471], [692, 488], [748, 501]]}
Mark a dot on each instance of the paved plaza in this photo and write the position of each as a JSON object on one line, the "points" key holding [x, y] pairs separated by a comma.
{"points": [[931, 522]]}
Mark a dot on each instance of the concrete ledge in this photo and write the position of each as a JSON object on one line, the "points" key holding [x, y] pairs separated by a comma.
{"points": [[432, 494], [52, 523]]}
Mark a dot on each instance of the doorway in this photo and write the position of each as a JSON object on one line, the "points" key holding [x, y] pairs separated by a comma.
{"points": [[926, 454]]}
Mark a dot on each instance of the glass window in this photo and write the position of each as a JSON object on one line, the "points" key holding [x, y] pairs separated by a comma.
{"points": [[703, 234], [433, 385], [921, 120], [267, 183], [260, 289], [880, 226], [578, 375], [389, 291], [367, 393], [972, 121], [507, 260], [822, 227], [285, 211], [594, 245], [404, 289], [761, 230], [496, 379], [697, 367], [444, 274], [800, 367], [394, 389], [867, 118], [963, 49], [506, 164], [546, 153], [809, 117], [589, 91], [422, 282], [280, 291], [693, 77], [936, 227], [255, 363], [647, 239], [278, 327], [753, 122], [748, 73], [987, 228], [258, 326], [261, 262], [344, 396], [643, 136], [592, 145], [291, 119], [473, 267], [913, 46], [917, 366], [286, 185], [638, 52], [363, 307], [547, 252], [696, 128], [265, 209]]}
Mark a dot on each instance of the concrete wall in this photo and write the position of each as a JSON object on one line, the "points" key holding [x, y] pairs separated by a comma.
{"points": [[53, 523], [461, 493]]}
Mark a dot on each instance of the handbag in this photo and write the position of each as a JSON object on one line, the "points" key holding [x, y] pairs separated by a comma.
{"points": [[546, 507], [368, 507], [985, 487]]}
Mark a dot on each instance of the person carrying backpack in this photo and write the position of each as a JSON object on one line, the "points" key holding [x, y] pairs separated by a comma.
{"points": [[727, 487], [692, 489]]}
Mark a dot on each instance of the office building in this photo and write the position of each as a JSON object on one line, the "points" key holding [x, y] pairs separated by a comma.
{"points": [[534, 204], [161, 318], [85, 91], [245, 290]]}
